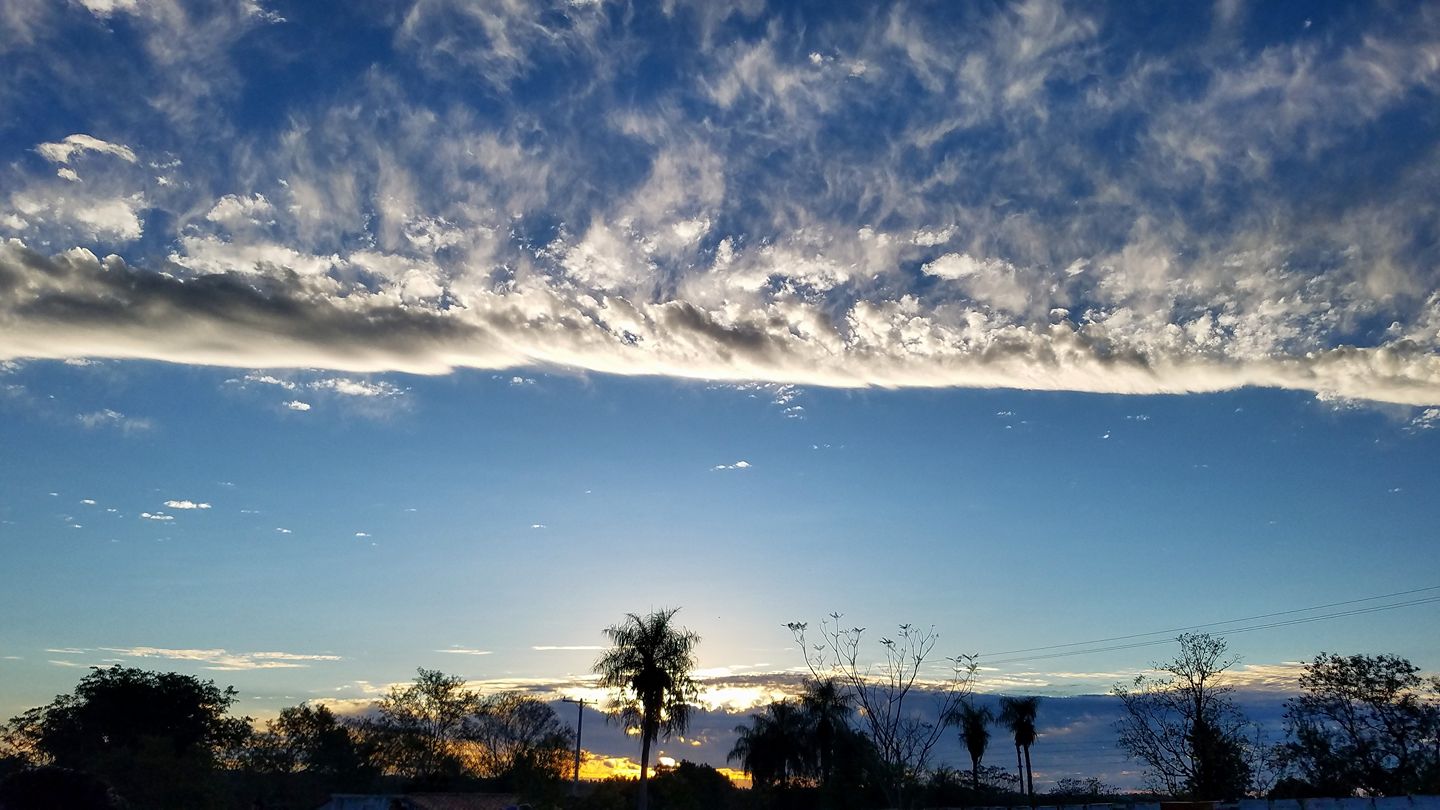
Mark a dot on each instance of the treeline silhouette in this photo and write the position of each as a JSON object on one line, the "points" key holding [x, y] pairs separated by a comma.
{"points": [[130, 738]]}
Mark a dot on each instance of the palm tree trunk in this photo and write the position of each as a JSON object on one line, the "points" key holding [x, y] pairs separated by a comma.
{"points": [[644, 769], [1019, 768], [1029, 776], [975, 774]]}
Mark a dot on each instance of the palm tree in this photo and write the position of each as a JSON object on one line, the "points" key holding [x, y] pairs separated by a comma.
{"points": [[775, 749], [648, 664], [974, 722], [828, 709], [1018, 715]]}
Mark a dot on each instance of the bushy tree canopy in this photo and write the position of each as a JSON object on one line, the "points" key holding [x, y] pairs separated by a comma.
{"points": [[1364, 724]]}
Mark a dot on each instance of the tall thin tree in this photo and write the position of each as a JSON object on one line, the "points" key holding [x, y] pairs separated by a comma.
{"points": [[648, 665], [1018, 715], [974, 722]]}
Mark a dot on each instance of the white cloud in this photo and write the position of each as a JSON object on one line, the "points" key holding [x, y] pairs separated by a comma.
{"points": [[105, 8], [88, 501], [403, 242], [283, 531], [1426, 419], [739, 465], [79, 143], [297, 405], [235, 211], [342, 386], [224, 660], [110, 418], [362, 534], [186, 505], [93, 215], [67, 173], [465, 651], [156, 516], [356, 388]]}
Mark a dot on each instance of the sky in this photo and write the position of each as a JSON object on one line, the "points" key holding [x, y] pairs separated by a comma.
{"points": [[340, 339]]}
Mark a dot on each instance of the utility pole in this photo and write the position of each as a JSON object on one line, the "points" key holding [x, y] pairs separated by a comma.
{"points": [[579, 726]]}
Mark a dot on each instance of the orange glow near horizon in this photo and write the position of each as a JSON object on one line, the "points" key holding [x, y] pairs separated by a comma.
{"points": [[594, 768]]}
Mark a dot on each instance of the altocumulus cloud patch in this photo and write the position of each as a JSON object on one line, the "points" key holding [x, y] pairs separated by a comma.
{"points": [[1032, 195]]}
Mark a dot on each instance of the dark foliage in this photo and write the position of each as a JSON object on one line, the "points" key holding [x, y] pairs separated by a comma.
{"points": [[126, 725], [1364, 724], [50, 787]]}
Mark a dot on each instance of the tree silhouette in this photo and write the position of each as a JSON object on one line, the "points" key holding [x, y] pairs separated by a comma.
{"points": [[1366, 724], [421, 725], [310, 738], [519, 736], [1018, 715], [776, 748], [126, 724], [902, 738], [1186, 727], [974, 722], [828, 709], [648, 665]]}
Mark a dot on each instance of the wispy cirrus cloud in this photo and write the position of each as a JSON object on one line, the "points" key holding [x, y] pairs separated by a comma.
{"points": [[113, 419], [224, 660], [1027, 196]]}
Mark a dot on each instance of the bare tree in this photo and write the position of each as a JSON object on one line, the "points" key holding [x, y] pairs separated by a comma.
{"points": [[1186, 727], [890, 694]]}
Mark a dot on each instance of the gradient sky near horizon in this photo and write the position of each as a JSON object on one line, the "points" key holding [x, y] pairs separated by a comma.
{"points": [[341, 339]]}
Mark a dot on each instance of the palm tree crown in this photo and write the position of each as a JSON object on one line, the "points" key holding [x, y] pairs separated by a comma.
{"points": [[974, 722], [1018, 715], [775, 749], [648, 665]]}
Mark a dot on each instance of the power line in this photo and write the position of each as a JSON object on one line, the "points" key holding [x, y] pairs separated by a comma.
{"points": [[1225, 631], [1214, 624]]}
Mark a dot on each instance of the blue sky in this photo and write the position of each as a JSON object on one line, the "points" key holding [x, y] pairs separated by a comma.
{"points": [[343, 339]]}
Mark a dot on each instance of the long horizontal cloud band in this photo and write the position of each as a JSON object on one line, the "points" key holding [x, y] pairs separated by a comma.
{"points": [[75, 304]]}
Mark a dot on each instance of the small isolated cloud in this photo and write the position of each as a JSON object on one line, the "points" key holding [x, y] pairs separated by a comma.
{"points": [[156, 516], [346, 386], [105, 8], [1427, 419], [235, 211], [67, 173], [456, 650], [739, 465], [109, 418], [219, 659], [88, 501], [521, 381], [362, 534], [283, 531], [537, 525], [382, 394], [63, 151], [186, 505]]}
